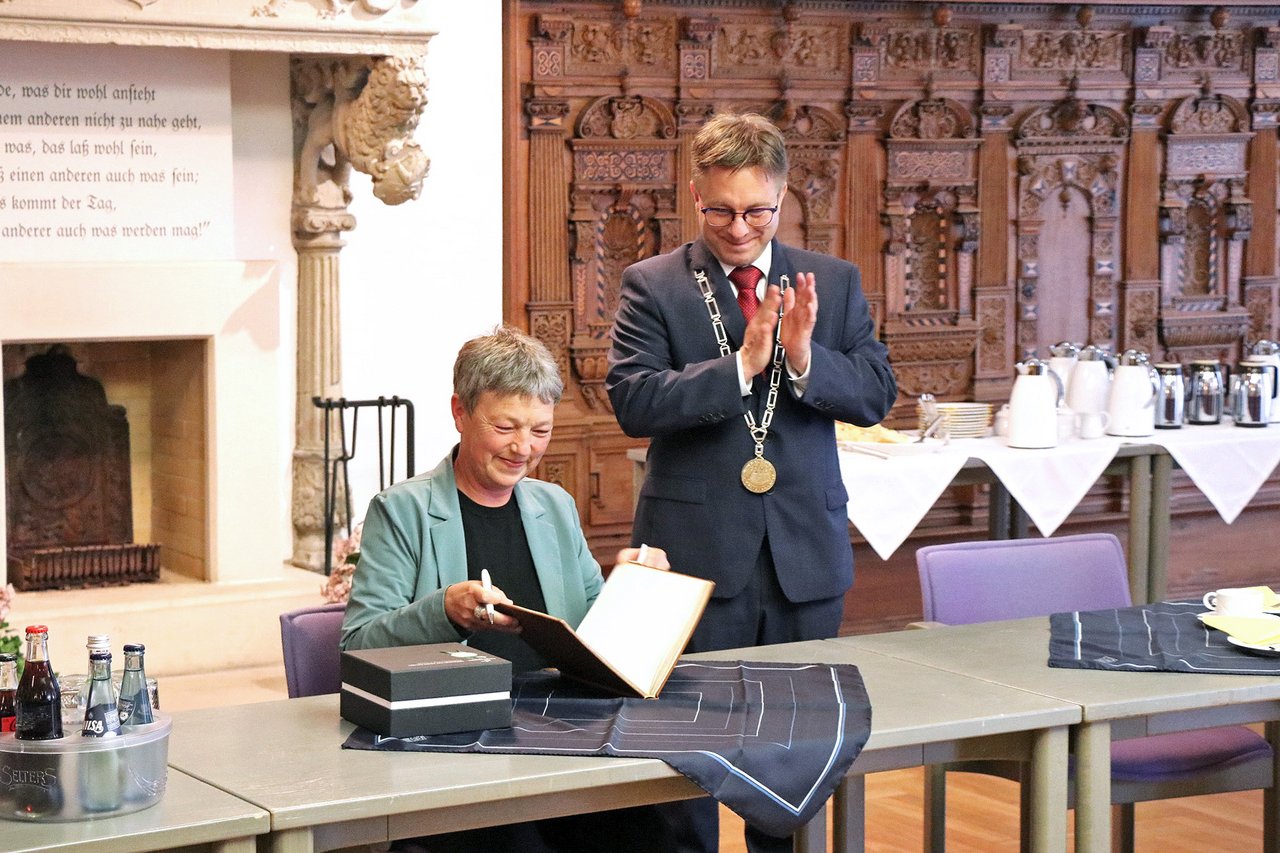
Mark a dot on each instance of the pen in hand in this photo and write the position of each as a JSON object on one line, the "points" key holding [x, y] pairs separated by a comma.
{"points": [[643, 555], [487, 583]]}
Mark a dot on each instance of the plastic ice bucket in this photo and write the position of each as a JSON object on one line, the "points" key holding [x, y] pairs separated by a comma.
{"points": [[79, 778]]}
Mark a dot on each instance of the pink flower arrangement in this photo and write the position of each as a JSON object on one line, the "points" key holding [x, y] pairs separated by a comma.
{"points": [[346, 555], [9, 639]]}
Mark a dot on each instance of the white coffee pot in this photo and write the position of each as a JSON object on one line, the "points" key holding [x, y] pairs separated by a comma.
{"points": [[1062, 361], [1090, 384], [1131, 404], [1033, 405]]}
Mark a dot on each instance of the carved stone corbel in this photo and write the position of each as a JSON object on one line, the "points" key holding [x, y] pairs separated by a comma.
{"points": [[349, 112]]}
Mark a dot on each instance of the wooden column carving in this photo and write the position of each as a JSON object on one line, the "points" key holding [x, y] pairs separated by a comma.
{"points": [[549, 309], [1261, 285], [994, 298], [864, 235], [357, 113]]}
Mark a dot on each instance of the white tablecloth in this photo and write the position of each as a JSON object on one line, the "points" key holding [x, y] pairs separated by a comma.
{"points": [[889, 497]]}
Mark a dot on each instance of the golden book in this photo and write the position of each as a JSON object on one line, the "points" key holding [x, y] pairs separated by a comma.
{"points": [[632, 636]]}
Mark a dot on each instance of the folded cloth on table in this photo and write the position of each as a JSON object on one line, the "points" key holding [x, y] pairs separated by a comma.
{"points": [[1260, 630], [769, 740], [1165, 636]]}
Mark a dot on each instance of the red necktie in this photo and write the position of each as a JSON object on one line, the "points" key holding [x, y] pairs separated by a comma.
{"points": [[746, 279]]}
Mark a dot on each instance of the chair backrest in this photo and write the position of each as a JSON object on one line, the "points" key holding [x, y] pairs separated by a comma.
{"points": [[1012, 578], [309, 637]]}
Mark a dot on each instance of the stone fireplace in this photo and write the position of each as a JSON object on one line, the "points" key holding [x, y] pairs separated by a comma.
{"points": [[155, 414], [192, 353]]}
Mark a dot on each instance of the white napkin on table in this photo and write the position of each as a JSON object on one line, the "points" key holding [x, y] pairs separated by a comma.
{"points": [[1226, 462], [888, 497], [1048, 483]]}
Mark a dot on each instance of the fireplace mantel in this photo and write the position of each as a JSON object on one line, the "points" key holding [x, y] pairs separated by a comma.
{"points": [[360, 27]]}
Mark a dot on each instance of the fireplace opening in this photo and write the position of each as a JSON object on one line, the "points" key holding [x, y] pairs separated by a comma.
{"points": [[159, 388]]}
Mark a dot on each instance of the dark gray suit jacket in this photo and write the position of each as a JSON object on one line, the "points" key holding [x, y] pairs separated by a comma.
{"points": [[667, 381]]}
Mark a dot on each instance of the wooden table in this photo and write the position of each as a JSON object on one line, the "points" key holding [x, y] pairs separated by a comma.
{"points": [[285, 758], [1113, 704], [1145, 466], [190, 812]]}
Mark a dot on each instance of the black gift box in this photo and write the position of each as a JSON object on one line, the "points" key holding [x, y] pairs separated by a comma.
{"points": [[425, 690]]}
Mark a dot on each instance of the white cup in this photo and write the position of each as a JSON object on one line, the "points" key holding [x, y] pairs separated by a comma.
{"points": [[1236, 601], [1092, 424], [1066, 424]]}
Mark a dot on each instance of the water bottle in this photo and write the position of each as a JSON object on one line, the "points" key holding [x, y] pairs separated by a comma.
{"points": [[135, 699]]}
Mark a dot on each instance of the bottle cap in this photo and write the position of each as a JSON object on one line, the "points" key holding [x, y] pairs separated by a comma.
{"points": [[8, 657], [98, 641], [134, 647], [100, 654], [37, 629]]}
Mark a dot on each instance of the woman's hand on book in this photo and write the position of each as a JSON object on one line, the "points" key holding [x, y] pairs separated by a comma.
{"points": [[464, 604]]}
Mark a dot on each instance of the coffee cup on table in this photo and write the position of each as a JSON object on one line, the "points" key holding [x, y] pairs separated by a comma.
{"points": [[1092, 424], [1237, 601]]}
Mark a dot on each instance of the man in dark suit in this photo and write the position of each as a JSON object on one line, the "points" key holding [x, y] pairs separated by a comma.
{"points": [[738, 384]]}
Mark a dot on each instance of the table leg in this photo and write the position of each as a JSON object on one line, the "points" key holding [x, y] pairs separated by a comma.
{"points": [[1158, 566], [1270, 797], [292, 841], [848, 830], [1093, 787], [1140, 529], [812, 837], [1048, 780], [998, 511], [235, 845]]}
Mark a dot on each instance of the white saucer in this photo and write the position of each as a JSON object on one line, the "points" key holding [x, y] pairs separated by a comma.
{"points": [[1253, 647]]}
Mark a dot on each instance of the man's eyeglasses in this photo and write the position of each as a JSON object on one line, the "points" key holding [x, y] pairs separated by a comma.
{"points": [[756, 217]]}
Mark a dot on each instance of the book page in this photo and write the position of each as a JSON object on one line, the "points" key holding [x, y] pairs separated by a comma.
{"points": [[642, 619]]}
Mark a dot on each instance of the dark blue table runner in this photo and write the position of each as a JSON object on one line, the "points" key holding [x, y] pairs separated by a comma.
{"points": [[1165, 636], [769, 740]]}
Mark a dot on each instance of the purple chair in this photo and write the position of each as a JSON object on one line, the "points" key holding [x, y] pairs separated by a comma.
{"points": [[309, 637], [970, 582]]}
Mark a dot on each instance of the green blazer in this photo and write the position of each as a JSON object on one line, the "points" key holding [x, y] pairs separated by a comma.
{"points": [[413, 548]]}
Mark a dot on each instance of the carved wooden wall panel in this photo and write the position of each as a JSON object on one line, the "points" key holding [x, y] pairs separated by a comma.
{"points": [[1002, 174]]}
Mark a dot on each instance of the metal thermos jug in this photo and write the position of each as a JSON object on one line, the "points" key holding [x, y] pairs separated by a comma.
{"points": [[1171, 397], [1268, 352], [1253, 391], [1204, 396]]}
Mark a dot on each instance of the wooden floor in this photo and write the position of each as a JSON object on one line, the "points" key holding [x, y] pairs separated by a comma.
{"points": [[982, 817]]}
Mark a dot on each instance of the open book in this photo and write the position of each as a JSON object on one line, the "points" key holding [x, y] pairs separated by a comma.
{"points": [[629, 641]]}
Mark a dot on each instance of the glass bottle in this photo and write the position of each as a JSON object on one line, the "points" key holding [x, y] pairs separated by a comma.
{"points": [[135, 699], [39, 700], [101, 779], [95, 642], [34, 786], [8, 691], [101, 718]]}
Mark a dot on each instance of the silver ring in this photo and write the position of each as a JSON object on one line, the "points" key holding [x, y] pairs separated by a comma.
{"points": [[479, 612]]}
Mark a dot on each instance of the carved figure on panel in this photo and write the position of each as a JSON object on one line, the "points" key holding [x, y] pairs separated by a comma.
{"points": [[945, 49], [626, 117], [1074, 49]]}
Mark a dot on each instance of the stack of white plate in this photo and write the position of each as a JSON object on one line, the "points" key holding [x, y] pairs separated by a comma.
{"points": [[962, 420]]}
